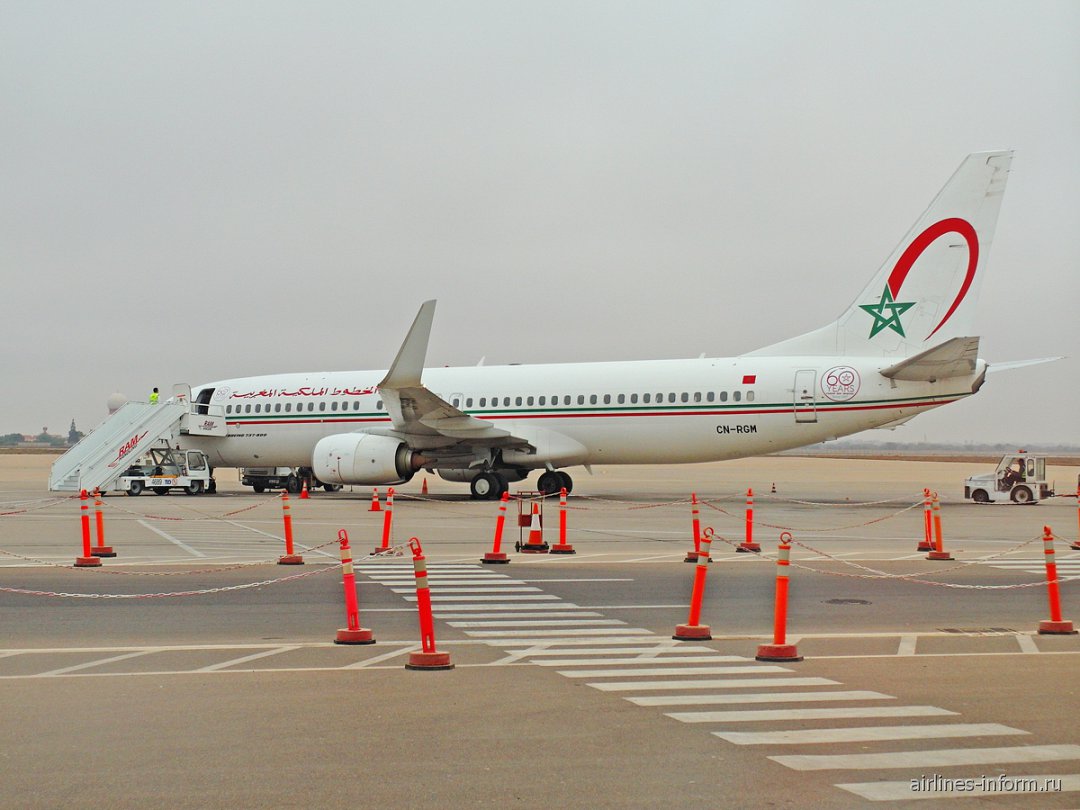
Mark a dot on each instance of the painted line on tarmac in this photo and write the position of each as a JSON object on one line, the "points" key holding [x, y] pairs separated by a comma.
{"points": [[555, 622], [757, 697], [748, 667], [160, 532], [899, 791], [246, 658], [755, 715], [647, 651], [643, 660], [89, 664], [378, 659], [936, 758], [816, 736], [554, 614], [719, 683], [907, 645]]}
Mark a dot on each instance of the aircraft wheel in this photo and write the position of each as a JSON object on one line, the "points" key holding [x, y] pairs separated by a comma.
{"points": [[567, 481], [135, 488], [293, 485], [486, 487], [332, 487], [549, 483], [1021, 495], [980, 496], [258, 488]]}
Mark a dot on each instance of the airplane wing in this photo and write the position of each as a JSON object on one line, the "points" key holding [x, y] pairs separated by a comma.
{"points": [[422, 418]]}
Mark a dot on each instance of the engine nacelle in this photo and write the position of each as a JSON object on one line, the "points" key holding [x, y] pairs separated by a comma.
{"points": [[362, 458]]}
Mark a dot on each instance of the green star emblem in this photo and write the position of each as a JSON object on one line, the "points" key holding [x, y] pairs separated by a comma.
{"points": [[892, 320]]}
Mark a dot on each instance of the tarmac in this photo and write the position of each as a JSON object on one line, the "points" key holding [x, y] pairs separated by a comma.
{"points": [[192, 671]]}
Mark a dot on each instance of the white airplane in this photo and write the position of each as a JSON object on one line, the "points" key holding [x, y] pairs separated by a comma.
{"points": [[905, 345]]}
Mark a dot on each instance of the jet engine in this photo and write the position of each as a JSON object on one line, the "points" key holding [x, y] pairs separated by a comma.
{"points": [[362, 458]]}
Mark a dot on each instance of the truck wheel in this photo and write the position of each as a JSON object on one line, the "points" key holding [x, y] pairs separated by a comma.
{"points": [[194, 488], [161, 490], [1021, 495], [135, 488], [258, 488], [980, 496]]}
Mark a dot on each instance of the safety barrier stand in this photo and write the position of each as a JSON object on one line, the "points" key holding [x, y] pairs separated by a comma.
{"points": [[497, 556], [748, 544], [780, 650], [100, 549], [354, 633], [375, 501], [927, 543], [535, 544], [695, 522], [387, 522], [939, 552], [693, 630], [428, 657], [290, 557], [562, 547], [1055, 626], [87, 560], [1076, 546]]}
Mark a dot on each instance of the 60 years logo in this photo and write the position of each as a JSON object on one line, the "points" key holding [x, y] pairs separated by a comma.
{"points": [[840, 383]]}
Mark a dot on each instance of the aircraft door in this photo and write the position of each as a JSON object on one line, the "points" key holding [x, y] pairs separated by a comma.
{"points": [[804, 400]]}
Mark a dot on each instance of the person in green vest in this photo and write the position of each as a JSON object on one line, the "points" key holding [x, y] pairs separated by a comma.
{"points": [[154, 397]]}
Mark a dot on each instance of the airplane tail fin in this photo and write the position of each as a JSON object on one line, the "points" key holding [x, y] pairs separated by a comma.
{"points": [[925, 293]]}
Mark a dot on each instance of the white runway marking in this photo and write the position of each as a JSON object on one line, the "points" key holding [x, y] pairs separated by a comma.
{"points": [[650, 659], [753, 715], [1026, 643], [246, 658], [718, 683], [907, 645], [434, 590], [935, 758], [756, 697], [554, 614], [439, 597], [192, 551], [866, 734], [538, 623], [659, 671], [96, 663], [509, 634], [516, 606], [899, 791], [645, 650]]}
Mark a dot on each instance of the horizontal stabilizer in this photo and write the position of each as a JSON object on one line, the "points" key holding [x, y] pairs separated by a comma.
{"points": [[1022, 363], [953, 358]]}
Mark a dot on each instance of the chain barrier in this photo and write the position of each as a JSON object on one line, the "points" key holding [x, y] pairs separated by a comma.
{"points": [[913, 578], [203, 515], [826, 504], [825, 529], [395, 551], [45, 504]]}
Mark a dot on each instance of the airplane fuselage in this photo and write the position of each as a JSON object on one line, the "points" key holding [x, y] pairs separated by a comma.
{"points": [[641, 412]]}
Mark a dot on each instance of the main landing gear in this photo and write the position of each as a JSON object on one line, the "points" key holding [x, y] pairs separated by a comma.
{"points": [[488, 486], [553, 480]]}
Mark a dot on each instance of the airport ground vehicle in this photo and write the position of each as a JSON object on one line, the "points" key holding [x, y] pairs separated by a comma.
{"points": [[290, 479], [163, 468], [1019, 478]]}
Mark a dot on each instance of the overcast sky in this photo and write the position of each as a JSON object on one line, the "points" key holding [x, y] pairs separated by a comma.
{"points": [[196, 191]]}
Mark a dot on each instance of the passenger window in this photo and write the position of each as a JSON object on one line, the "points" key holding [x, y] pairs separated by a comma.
{"points": [[517, 400], [592, 399], [228, 409], [333, 406], [723, 396], [607, 399], [468, 402], [542, 401], [633, 399], [567, 400], [277, 407], [580, 399], [685, 397], [710, 396], [646, 398], [258, 408], [247, 408], [671, 397], [455, 402], [737, 396], [529, 401], [288, 407], [749, 396], [697, 396], [378, 404], [322, 406], [483, 402], [622, 398]]}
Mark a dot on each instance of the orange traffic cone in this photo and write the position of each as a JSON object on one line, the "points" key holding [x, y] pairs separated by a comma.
{"points": [[303, 491], [423, 489], [375, 507], [535, 543]]}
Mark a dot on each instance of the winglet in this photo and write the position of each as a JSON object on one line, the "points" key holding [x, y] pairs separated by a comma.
{"points": [[409, 363]]}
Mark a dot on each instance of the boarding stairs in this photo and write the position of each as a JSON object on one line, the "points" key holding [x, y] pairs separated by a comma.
{"points": [[107, 451]]}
